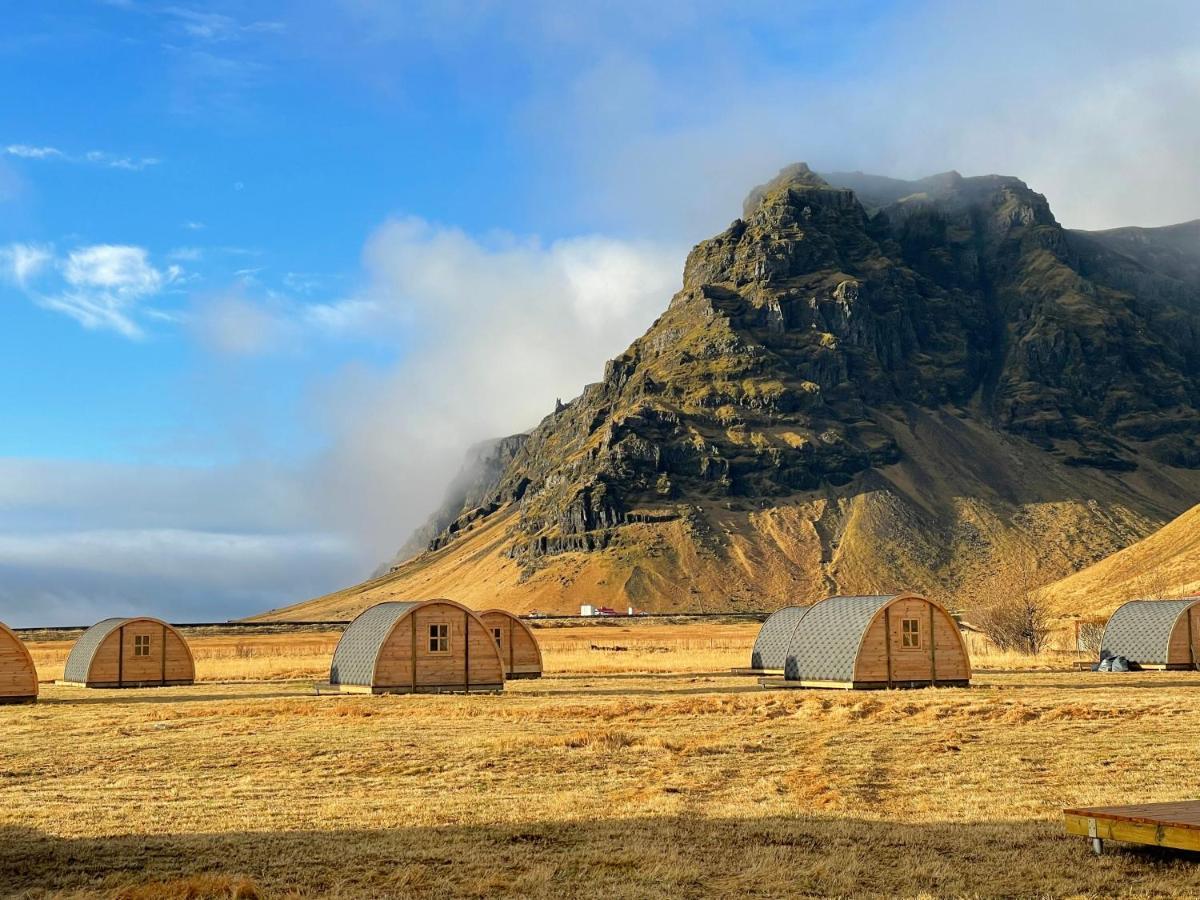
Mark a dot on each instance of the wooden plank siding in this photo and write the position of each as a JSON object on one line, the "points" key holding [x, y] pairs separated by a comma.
{"points": [[470, 662], [940, 654], [1183, 649], [18, 675], [518, 646]]}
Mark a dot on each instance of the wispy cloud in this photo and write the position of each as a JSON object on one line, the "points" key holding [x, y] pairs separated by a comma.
{"points": [[20, 263], [102, 286], [186, 254], [215, 27], [27, 151], [91, 157]]}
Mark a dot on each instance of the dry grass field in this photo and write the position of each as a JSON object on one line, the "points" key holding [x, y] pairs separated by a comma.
{"points": [[625, 772]]}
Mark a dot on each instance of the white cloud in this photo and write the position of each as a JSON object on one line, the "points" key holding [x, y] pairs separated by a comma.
{"points": [[103, 286], [94, 157], [25, 151], [20, 263], [496, 330]]}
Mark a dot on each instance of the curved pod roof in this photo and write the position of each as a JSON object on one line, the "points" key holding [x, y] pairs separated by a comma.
{"points": [[775, 637], [18, 674], [89, 645], [357, 652], [828, 640], [1142, 630]]}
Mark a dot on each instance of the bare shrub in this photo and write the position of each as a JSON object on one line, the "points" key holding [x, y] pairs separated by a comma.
{"points": [[1007, 606], [1153, 585], [1089, 636]]}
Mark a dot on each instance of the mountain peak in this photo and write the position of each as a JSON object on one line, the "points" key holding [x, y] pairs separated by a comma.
{"points": [[797, 176]]}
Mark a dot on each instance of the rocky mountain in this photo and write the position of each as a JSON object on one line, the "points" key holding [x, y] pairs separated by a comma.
{"points": [[1166, 564], [864, 383]]}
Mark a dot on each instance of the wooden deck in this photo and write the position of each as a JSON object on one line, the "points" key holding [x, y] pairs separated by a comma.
{"points": [[1175, 825]]}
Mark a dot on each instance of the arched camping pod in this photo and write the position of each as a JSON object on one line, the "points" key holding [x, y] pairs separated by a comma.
{"points": [[427, 646], [519, 650], [18, 675], [774, 637], [127, 653], [898, 640], [1156, 634]]}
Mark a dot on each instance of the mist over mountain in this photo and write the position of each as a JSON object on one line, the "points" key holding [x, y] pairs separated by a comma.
{"points": [[864, 384]]}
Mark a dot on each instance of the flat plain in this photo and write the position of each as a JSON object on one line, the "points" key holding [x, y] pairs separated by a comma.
{"points": [[636, 767]]}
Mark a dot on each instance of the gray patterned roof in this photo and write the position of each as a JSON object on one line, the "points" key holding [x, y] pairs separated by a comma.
{"points": [[1140, 630], [775, 637], [825, 647], [358, 650], [79, 662]]}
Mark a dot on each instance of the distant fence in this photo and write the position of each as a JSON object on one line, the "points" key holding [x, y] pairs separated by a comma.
{"points": [[335, 624]]}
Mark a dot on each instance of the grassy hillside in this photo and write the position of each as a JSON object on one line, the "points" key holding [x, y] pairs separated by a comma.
{"points": [[1165, 564]]}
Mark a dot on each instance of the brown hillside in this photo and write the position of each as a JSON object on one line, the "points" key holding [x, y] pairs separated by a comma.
{"points": [[1166, 564], [975, 493]]}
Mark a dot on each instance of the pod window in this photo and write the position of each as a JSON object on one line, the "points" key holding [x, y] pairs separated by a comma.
{"points": [[439, 638], [910, 634], [497, 634], [141, 645]]}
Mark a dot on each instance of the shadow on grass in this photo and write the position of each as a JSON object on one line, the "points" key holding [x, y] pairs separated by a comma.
{"points": [[819, 855]]}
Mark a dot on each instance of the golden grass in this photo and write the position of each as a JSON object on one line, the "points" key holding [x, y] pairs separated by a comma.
{"points": [[250, 657], [640, 646], [622, 783]]}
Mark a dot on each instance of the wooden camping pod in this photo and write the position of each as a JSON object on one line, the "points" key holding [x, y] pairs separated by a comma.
{"points": [[897, 640], [1155, 634], [519, 650], [427, 646], [18, 675], [128, 653]]}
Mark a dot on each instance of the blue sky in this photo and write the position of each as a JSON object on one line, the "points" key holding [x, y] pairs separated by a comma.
{"points": [[266, 271]]}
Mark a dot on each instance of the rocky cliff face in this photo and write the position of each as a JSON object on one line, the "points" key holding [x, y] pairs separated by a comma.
{"points": [[863, 382]]}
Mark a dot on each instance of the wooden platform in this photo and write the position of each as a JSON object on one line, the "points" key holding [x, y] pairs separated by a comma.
{"points": [[748, 671], [1175, 825]]}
